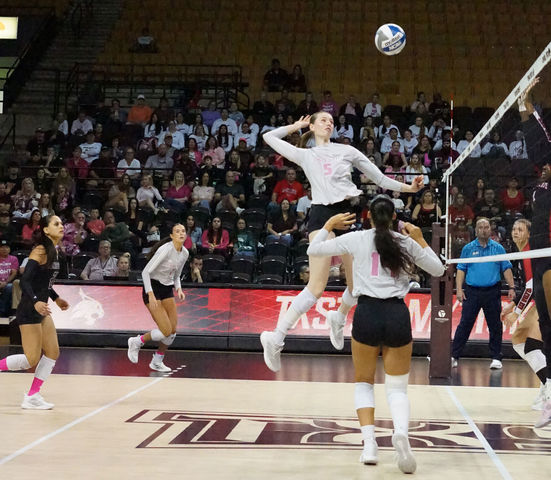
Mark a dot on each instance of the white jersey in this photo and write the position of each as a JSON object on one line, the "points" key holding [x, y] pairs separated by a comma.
{"points": [[165, 267], [328, 168], [370, 277]]}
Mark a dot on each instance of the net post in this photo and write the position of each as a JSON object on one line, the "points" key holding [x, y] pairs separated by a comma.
{"points": [[441, 312]]}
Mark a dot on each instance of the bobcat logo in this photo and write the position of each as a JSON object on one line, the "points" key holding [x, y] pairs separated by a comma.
{"points": [[88, 309]]}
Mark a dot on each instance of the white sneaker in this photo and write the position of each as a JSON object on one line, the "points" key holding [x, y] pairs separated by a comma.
{"points": [[35, 402], [545, 418], [496, 365], [539, 401], [369, 454], [272, 351], [404, 456], [454, 362], [159, 366], [134, 345], [336, 321]]}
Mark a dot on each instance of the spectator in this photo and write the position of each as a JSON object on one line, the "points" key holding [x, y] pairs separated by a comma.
{"points": [[488, 206], [236, 115], [276, 78], [81, 125], [304, 274], [512, 199], [245, 134], [282, 225], [194, 233], [230, 195], [78, 166], [178, 139], [308, 106], [62, 201], [195, 272], [395, 161], [296, 82], [102, 170], [217, 153], [304, 203], [32, 225], [160, 165], [253, 126], [425, 213], [479, 189], [90, 149], [369, 130], [96, 225], [148, 196], [37, 145], [203, 193], [388, 142], [263, 108], [74, 234], [33, 164], [102, 266], [438, 106], [418, 129], [409, 143], [129, 165], [193, 151], [181, 125], [343, 130], [119, 194], [214, 172], [7, 232], [215, 239], [284, 104], [386, 127], [425, 152], [210, 115], [62, 124], [25, 200], [446, 155], [373, 108], [186, 165], [415, 168], [224, 140], [45, 205], [117, 233], [200, 136], [371, 151], [482, 290], [459, 210], [5, 199], [123, 266], [198, 121], [42, 182], [421, 100], [352, 112], [64, 178], [152, 131], [140, 113], [328, 104], [178, 195], [462, 145], [145, 43], [495, 147], [286, 189], [165, 114], [244, 244], [13, 179], [262, 174], [8, 271]]}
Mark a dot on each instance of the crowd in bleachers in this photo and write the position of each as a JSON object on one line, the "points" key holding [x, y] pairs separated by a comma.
{"points": [[121, 178]]}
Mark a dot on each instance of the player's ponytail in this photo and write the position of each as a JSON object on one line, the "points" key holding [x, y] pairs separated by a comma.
{"points": [[388, 246], [40, 238], [305, 138]]}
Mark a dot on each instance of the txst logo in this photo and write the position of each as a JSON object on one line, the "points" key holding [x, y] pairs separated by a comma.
{"points": [[181, 429], [88, 309]]}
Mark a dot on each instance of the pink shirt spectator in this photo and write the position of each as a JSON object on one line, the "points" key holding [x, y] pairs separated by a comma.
{"points": [[96, 226], [222, 246], [330, 107], [69, 235], [7, 265], [183, 192], [218, 155], [27, 232]]}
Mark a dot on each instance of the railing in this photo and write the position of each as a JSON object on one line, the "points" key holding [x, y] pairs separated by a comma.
{"points": [[7, 129], [79, 10]]}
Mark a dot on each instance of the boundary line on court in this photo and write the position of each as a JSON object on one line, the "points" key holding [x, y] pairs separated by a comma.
{"points": [[489, 450], [70, 425]]}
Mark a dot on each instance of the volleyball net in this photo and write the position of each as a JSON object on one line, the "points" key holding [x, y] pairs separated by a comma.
{"points": [[497, 171]]}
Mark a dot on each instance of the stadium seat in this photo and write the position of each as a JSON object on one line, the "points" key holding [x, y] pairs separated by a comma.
{"points": [[276, 247], [273, 264], [201, 215], [81, 259], [270, 279], [240, 264], [213, 262], [241, 278]]}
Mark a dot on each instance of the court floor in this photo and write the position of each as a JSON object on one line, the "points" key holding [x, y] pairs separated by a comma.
{"points": [[225, 416]]}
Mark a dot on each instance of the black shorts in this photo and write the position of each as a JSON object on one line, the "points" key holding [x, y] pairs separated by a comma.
{"points": [[159, 290], [319, 214], [26, 313], [539, 267], [382, 322]]}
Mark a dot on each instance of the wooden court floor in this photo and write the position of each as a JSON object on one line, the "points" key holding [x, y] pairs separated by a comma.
{"points": [[224, 416]]}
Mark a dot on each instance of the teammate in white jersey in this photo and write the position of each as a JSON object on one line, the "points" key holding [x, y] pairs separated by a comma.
{"points": [[161, 276], [383, 260], [328, 167]]}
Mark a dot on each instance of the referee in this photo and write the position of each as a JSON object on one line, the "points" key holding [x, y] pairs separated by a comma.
{"points": [[482, 290]]}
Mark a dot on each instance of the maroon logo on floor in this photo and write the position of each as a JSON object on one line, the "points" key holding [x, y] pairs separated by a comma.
{"points": [[180, 429]]}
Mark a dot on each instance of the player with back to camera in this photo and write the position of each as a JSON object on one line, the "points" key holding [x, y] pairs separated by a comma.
{"points": [[161, 276], [38, 333], [526, 338], [328, 169], [382, 263]]}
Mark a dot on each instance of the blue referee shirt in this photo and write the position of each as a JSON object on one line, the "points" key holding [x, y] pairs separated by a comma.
{"points": [[483, 274]]}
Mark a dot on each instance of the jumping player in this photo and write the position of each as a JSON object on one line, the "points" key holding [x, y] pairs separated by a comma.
{"points": [[328, 169], [382, 262], [38, 333], [526, 339], [161, 276]]}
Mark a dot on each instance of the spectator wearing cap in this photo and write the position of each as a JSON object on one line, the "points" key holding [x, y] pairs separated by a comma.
{"points": [[8, 272], [90, 148], [37, 145], [275, 78], [140, 113], [7, 232], [81, 125]]}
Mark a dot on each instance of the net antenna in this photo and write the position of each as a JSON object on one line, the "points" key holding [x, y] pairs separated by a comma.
{"points": [[521, 86]]}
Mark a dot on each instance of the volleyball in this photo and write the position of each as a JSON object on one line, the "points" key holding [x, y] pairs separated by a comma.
{"points": [[390, 39]]}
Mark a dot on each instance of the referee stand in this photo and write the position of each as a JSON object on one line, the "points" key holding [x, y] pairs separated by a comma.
{"points": [[441, 312]]}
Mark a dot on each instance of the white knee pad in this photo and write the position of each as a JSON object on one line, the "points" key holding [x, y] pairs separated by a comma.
{"points": [[364, 396], [519, 348], [17, 362], [396, 384], [156, 335], [304, 301], [44, 368], [536, 359], [168, 340], [397, 397], [348, 298]]}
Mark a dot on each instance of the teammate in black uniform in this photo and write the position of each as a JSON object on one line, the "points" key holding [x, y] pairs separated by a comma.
{"points": [[538, 143], [38, 333]]}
